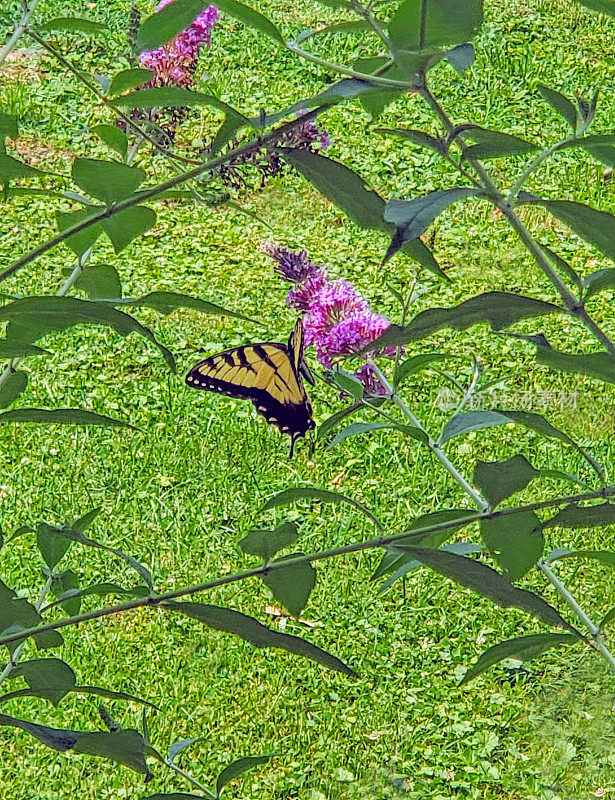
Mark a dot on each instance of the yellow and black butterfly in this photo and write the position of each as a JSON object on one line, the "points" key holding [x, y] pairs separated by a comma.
{"points": [[268, 374]]}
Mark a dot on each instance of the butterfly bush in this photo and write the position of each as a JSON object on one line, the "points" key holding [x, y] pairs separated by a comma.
{"points": [[174, 64], [337, 320]]}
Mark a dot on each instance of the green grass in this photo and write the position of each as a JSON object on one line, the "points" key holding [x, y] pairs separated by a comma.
{"points": [[180, 493]]}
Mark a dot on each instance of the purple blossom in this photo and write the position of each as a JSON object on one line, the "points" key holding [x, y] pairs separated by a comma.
{"points": [[174, 63], [306, 135], [291, 265], [344, 338], [371, 382]]}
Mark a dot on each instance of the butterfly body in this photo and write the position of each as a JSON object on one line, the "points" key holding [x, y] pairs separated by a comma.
{"points": [[268, 374]]}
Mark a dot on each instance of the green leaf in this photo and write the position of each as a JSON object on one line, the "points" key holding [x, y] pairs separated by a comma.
{"points": [[576, 516], [70, 595], [168, 302], [498, 480], [601, 6], [499, 309], [9, 126], [237, 768], [494, 144], [55, 738], [523, 648], [487, 582], [251, 18], [224, 619], [334, 419], [178, 747], [413, 217], [11, 348], [60, 416], [100, 282], [125, 747], [470, 421], [53, 547], [164, 25], [292, 585], [288, 496], [176, 97], [560, 103], [600, 365], [608, 617], [516, 542], [113, 137], [605, 557], [30, 318], [348, 383], [127, 225], [596, 227], [417, 363], [357, 428], [564, 267], [11, 169], [17, 613], [267, 543], [461, 57], [599, 281], [108, 181], [81, 241], [129, 79], [446, 22], [74, 25], [416, 137], [50, 678], [13, 386]]}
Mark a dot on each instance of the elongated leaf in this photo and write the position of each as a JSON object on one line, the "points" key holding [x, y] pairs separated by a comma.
{"points": [[100, 691], [288, 496], [61, 416], [168, 302], [30, 318], [488, 583], [499, 309], [55, 738], [576, 516], [50, 678], [417, 363], [349, 384], [516, 542], [598, 281], [162, 26], [416, 137], [600, 365], [80, 242], [564, 267], [127, 225], [15, 385], [602, 6], [130, 79], [176, 97], [523, 648], [113, 137], [446, 22], [74, 25], [100, 282], [412, 217], [108, 181], [62, 582], [237, 768], [11, 348], [461, 57], [224, 619], [494, 144], [267, 543], [17, 613], [605, 557], [292, 585], [608, 617], [178, 747], [498, 480], [100, 590], [125, 747], [470, 421], [357, 428], [11, 169], [405, 564], [252, 18], [596, 227], [334, 419], [9, 126], [559, 103]]}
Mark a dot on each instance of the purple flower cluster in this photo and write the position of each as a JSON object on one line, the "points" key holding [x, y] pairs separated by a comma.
{"points": [[174, 63], [338, 321], [306, 135]]}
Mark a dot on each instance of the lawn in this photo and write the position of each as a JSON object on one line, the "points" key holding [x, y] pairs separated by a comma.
{"points": [[179, 492]]}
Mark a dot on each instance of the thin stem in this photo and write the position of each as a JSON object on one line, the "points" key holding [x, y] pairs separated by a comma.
{"points": [[370, 544], [210, 795], [367, 15], [597, 640], [20, 29], [533, 165]]}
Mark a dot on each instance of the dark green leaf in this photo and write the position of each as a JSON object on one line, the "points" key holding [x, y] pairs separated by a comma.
{"points": [[82, 523], [74, 24], [30, 318], [563, 266], [288, 496], [164, 25], [600, 365], [124, 747], [13, 386], [598, 281], [405, 564], [334, 419], [494, 144], [608, 617], [348, 383], [17, 613], [576, 516], [9, 126], [50, 678], [605, 557], [498, 480], [66, 582], [127, 225], [52, 546], [80, 242], [416, 137], [596, 227], [168, 302], [100, 282], [130, 79], [11, 348], [267, 543], [60, 416], [251, 18], [417, 363], [99, 691], [175, 97], [461, 57], [446, 22], [238, 768], [603, 153], [488, 583], [98, 589], [292, 585], [56, 738], [560, 103], [224, 619], [461, 424], [601, 6], [357, 428], [108, 181], [499, 309], [11, 168], [516, 542], [178, 747], [523, 648], [113, 137]]}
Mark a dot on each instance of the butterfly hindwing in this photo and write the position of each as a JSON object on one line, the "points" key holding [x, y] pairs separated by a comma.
{"points": [[266, 373]]}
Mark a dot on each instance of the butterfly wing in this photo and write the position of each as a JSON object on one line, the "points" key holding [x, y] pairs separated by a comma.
{"points": [[265, 374]]}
